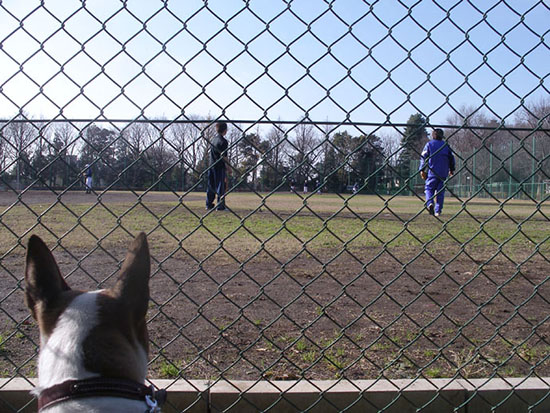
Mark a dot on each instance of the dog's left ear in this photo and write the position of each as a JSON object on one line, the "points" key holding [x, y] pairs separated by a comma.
{"points": [[132, 287], [43, 280]]}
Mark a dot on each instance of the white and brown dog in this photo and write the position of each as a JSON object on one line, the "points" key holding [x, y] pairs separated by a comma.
{"points": [[93, 345]]}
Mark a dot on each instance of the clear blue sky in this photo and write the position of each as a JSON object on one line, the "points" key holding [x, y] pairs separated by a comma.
{"points": [[378, 60]]}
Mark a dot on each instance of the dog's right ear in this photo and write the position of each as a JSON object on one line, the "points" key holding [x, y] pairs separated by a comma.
{"points": [[132, 287], [43, 280]]}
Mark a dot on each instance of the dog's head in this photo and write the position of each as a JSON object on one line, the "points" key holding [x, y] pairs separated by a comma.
{"points": [[87, 334]]}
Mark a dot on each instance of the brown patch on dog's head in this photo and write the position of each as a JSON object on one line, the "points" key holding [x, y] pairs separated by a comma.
{"points": [[111, 346], [118, 346]]}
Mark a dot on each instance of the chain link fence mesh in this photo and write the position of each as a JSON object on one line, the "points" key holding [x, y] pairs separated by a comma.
{"points": [[326, 265]]}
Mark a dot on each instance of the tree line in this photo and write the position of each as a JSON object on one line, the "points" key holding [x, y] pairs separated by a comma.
{"points": [[167, 155], [174, 155]]}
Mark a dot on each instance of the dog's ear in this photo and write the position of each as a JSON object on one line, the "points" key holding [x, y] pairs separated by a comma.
{"points": [[43, 280], [132, 287]]}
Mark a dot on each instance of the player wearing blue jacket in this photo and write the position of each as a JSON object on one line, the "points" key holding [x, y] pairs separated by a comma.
{"points": [[436, 163]]}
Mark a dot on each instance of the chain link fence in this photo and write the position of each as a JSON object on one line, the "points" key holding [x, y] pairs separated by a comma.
{"points": [[326, 265]]}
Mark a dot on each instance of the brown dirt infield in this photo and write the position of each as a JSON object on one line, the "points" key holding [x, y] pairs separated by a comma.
{"points": [[356, 314]]}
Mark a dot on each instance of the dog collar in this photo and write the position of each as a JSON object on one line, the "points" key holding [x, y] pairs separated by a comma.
{"points": [[102, 387]]}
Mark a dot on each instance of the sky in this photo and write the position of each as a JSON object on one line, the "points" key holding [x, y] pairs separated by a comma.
{"points": [[339, 60]]}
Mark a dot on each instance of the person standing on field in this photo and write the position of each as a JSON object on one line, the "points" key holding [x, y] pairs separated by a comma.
{"points": [[219, 168], [88, 179], [437, 162]]}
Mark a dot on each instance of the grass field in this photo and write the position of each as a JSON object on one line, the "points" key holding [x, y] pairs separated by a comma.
{"points": [[284, 286], [281, 223]]}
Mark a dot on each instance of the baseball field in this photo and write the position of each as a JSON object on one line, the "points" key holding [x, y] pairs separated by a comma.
{"points": [[291, 285]]}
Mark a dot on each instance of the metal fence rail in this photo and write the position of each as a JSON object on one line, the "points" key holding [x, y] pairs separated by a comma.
{"points": [[327, 265]]}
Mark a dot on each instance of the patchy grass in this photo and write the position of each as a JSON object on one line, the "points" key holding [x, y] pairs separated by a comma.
{"points": [[309, 356], [168, 370], [433, 372], [328, 222], [301, 345]]}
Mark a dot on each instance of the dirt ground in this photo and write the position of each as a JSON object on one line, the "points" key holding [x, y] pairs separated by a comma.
{"points": [[371, 313]]}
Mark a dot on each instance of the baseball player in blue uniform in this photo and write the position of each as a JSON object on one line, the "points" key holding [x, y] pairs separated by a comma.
{"points": [[437, 162]]}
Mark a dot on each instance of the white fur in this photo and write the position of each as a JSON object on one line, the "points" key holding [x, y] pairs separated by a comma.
{"points": [[61, 355], [61, 359]]}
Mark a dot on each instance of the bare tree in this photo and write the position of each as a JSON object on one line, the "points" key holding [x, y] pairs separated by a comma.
{"points": [[488, 152], [277, 143], [66, 134], [20, 134], [186, 137], [326, 150], [43, 155], [160, 153], [137, 138], [391, 142], [536, 115], [234, 135], [65, 138], [465, 137], [302, 152]]}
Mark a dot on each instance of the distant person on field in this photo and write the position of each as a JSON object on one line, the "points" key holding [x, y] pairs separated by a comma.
{"points": [[219, 168], [437, 162], [88, 179], [292, 185]]}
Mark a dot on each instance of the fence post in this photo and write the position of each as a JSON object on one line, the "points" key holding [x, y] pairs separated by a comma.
{"points": [[511, 169], [533, 189]]}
